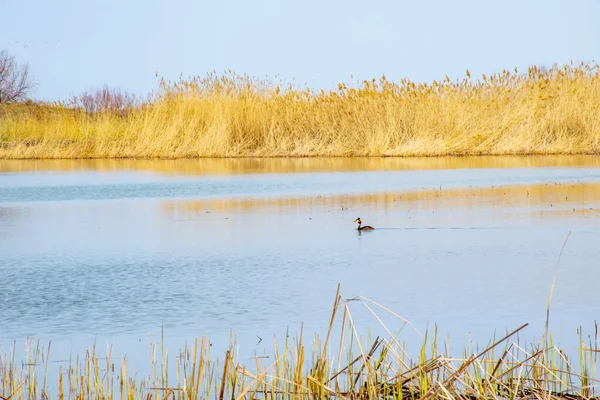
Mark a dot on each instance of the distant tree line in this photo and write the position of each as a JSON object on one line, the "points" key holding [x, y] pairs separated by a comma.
{"points": [[16, 84], [105, 99]]}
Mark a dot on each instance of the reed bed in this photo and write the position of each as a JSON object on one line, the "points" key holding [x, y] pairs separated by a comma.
{"points": [[539, 111], [344, 365]]}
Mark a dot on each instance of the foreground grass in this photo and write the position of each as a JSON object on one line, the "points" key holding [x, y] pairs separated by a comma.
{"points": [[345, 367], [552, 111]]}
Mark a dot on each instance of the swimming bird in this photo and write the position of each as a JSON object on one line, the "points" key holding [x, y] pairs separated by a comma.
{"points": [[363, 228]]}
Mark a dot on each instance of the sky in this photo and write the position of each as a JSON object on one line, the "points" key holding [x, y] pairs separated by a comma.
{"points": [[72, 46]]}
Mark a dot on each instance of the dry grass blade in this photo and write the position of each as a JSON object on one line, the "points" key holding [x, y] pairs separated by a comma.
{"points": [[553, 283], [14, 392], [404, 320], [331, 322], [224, 378], [402, 378], [329, 390], [256, 379], [371, 352], [368, 357]]}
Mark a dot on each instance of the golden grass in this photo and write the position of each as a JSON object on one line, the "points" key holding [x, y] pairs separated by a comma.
{"points": [[344, 365], [552, 111]]}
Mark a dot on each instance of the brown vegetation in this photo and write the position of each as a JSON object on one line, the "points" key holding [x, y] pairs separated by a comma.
{"points": [[345, 367], [541, 111]]}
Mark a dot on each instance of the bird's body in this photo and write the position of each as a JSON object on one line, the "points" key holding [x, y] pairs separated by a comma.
{"points": [[363, 228]]}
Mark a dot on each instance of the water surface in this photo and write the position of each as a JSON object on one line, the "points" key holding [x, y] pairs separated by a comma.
{"points": [[113, 251]]}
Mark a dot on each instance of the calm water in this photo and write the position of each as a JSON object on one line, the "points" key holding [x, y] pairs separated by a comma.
{"points": [[111, 251]]}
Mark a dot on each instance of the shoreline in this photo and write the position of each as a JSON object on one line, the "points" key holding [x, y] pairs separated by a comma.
{"points": [[316, 156]]}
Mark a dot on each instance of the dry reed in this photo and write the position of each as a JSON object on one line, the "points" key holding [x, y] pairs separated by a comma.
{"points": [[540, 111], [344, 366]]}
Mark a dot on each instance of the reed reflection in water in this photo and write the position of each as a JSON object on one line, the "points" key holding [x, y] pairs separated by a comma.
{"points": [[226, 166]]}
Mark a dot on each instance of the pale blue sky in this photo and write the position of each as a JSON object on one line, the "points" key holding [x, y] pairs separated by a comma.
{"points": [[74, 45]]}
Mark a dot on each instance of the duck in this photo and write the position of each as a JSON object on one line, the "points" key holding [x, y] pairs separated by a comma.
{"points": [[363, 228]]}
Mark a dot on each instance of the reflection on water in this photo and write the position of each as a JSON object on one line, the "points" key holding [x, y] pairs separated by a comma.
{"points": [[116, 262], [543, 200], [19, 188], [225, 166]]}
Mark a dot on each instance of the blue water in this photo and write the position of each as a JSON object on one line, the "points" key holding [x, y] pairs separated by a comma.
{"points": [[39, 187], [95, 257]]}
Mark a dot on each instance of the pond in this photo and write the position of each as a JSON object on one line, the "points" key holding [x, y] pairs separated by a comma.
{"points": [[115, 251]]}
